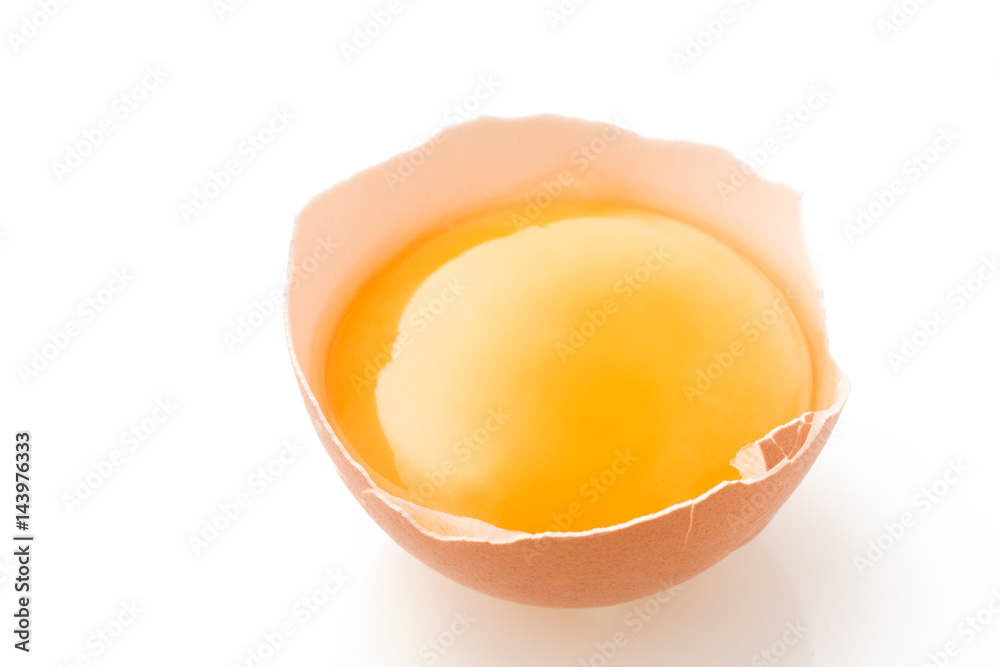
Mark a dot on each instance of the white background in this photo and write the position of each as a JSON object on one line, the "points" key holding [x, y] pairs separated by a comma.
{"points": [[191, 282]]}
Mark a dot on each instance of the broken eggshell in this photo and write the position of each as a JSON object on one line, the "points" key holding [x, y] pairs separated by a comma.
{"points": [[490, 163]]}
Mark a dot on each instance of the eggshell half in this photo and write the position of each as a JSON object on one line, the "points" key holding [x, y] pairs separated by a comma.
{"points": [[493, 162]]}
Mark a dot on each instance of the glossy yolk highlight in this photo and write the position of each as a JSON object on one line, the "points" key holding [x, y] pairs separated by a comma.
{"points": [[568, 376]]}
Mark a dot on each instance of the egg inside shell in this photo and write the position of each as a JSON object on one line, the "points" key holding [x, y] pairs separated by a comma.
{"points": [[571, 374], [495, 402]]}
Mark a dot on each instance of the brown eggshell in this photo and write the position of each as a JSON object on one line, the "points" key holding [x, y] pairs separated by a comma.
{"points": [[495, 162]]}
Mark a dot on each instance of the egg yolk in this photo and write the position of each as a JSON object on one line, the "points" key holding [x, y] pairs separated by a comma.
{"points": [[595, 367]]}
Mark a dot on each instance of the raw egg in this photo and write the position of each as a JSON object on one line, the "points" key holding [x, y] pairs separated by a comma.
{"points": [[556, 362]]}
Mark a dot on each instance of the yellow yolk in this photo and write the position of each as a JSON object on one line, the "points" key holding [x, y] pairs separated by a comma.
{"points": [[565, 376]]}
